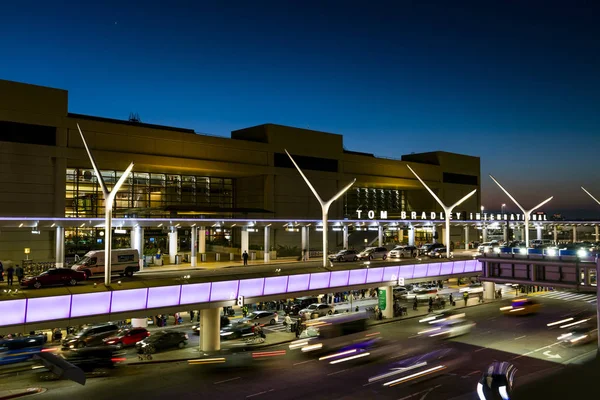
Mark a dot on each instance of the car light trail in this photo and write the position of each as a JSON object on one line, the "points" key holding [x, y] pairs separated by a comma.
{"points": [[562, 321], [206, 361], [578, 339], [574, 323], [268, 354], [414, 376], [298, 343], [517, 309], [312, 347], [396, 372], [562, 337], [343, 353], [505, 308], [349, 358], [428, 330], [427, 319]]}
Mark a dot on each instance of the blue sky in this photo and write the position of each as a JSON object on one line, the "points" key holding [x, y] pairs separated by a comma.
{"points": [[516, 83]]}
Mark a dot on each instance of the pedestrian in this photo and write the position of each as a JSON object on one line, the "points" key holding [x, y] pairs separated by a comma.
{"points": [[20, 273], [298, 328], [245, 257], [481, 297], [192, 316], [415, 303], [466, 297], [1, 272], [451, 299], [9, 275], [304, 257], [430, 304]]}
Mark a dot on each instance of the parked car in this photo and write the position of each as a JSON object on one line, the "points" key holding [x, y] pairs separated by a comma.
{"points": [[373, 253], [261, 317], [439, 252], [90, 336], [487, 247], [428, 247], [344, 255], [53, 277], [123, 262], [127, 337], [162, 340], [420, 294], [301, 303], [320, 309], [403, 251]]}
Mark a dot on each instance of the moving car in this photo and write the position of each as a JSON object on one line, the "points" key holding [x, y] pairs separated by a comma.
{"points": [[90, 336], [127, 337], [373, 253], [449, 328], [123, 262], [487, 247], [420, 294], [403, 251], [344, 255], [439, 252], [320, 309], [236, 331], [224, 322], [162, 340], [521, 307], [428, 247], [496, 382], [20, 349], [53, 277], [474, 288], [92, 358], [578, 335], [260, 317]]}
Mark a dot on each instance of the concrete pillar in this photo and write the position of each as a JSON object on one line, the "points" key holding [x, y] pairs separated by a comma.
{"points": [[400, 235], [172, 245], [202, 240], [194, 259], [574, 233], [245, 240], [433, 233], [444, 236], [345, 230], [305, 237], [137, 242], [467, 237], [380, 235], [210, 330], [59, 238], [411, 235], [386, 301], [484, 233], [267, 246], [505, 233], [139, 322], [538, 230], [555, 232], [489, 290], [596, 233]]}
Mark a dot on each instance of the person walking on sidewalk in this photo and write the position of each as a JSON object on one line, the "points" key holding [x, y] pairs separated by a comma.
{"points": [[415, 303], [1, 272], [19, 273], [9, 275], [245, 257], [451, 299], [466, 297]]}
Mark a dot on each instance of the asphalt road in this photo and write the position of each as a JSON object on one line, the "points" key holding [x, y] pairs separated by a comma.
{"points": [[527, 342]]}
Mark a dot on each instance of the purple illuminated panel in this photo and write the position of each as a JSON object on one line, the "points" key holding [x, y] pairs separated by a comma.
{"points": [[48, 308], [433, 269], [252, 287], [195, 293], [339, 278], [298, 283], [128, 300], [90, 304], [446, 268], [163, 296], [420, 270], [406, 271], [375, 275], [357, 277], [275, 285], [319, 280], [470, 265], [459, 267], [478, 266], [226, 290], [13, 312], [390, 274]]}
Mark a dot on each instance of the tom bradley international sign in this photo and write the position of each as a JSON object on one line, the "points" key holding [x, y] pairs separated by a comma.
{"points": [[414, 215]]}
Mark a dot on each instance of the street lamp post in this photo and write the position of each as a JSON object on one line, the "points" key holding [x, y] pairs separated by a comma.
{"points": [[447, 210], [109, 200], [324, 205], [526, 213]]}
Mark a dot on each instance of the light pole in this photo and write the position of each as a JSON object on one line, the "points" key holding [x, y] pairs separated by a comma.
{"points": [[483, 231], [503, 205], [526, 213], [324, 205], [109, 199], [447, 210]]}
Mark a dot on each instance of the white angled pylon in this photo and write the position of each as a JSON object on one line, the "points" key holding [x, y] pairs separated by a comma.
{"points": [[447, 210], [526, 213], [109, 199], [589, 194], [324, 205]]}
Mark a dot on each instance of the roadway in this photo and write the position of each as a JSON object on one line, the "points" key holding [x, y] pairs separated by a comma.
{"points": [[526, 342]]}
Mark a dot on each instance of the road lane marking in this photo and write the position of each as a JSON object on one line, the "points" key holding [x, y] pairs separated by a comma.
{"points": [[481, 349], [227, 380], [469, 374], [521, 337], [426, 391], [536, 350], [259, 393], [491, 319], [337, 372], [304, 362]]}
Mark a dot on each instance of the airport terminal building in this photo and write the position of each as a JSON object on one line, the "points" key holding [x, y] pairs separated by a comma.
{"points": [[180, 175]]}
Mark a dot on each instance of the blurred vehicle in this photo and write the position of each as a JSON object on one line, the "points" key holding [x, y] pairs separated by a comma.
{"points": [[442, 315], [344, 255], [126, 337], [420, 294], [260, 317], [236, 331], [301, 303], [162, 340], [124, 262], [428, 247], [92, 358], [403, 251], [224, 322], [579, 335], [53, 277], [20, 349], [399, 291], [474, 288], [439, 252], [373, 253], [317, 308], [487, 247], [496, 382], [90, 336], [521, 307], [449, 328], [541, 243]]}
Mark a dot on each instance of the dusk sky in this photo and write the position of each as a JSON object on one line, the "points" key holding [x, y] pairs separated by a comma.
{"points": [[515, 83]]}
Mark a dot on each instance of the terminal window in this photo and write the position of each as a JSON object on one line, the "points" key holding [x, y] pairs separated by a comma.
{"points": [[390, 200], [460, 179], [26, 133], [282, 160]]}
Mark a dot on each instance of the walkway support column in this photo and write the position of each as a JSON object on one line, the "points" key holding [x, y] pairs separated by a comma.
{"points": [[172, 245], [346, 237], [137, 242], [444, 235], [59, 237], [411, 235], [210, 338], [484, 233], [194, 259], [380, 235], [386, 301], [267, 245], [245, 240], [555, 232], [305, 236], [467, 237], [574, 233], [433, 230], [539, 232], [202, 240], [489, 290]]}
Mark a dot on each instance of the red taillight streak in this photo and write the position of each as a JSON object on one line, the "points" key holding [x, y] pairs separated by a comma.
{"points": [[118, 359], [46, 350], [269, 354]]}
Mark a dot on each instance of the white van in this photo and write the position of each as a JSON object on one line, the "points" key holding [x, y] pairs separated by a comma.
{"points": [[124, 262]]}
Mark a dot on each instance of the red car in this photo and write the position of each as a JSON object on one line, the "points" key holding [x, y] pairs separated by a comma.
{"points": [[54, 276], [127, 337]]}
